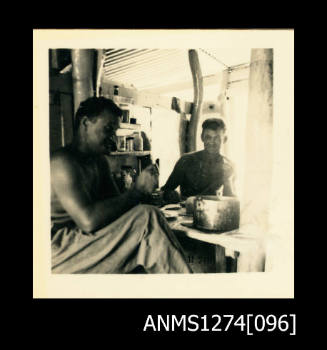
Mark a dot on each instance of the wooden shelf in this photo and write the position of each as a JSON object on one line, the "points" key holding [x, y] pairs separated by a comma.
{"points": [[134, 153], [121, 99], [130, 126]]}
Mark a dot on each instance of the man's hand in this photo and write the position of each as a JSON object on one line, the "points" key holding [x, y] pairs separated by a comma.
{"points": [[147, 181], [171, 197]]}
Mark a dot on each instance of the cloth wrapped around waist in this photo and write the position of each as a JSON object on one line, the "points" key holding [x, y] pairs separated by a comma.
{"points": [[61, 223], [140, 237]]}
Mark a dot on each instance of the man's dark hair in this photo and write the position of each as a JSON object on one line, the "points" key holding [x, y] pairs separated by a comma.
{"points": [[214, 124], [93, 107]]}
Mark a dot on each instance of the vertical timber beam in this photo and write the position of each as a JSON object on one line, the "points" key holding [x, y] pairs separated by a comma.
{"points": [[259, 141], [82, 62], [54, 60], [183, 124], [198, 99], [100, 59]]}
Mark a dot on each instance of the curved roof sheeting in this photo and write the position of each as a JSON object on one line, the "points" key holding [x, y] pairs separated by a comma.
{"points": [[151, 68]]}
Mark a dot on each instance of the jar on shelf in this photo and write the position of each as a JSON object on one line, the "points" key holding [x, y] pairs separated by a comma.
{"points": [[129, 143], [121, 143]]}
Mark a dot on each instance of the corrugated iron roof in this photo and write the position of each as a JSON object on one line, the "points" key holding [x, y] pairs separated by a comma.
{"points": [[151, 68]]}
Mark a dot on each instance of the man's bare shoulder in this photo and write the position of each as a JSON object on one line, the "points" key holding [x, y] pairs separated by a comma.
{"points": [[62, 161], [229, 165], [62, 155], [191, 156], [228, 161]]}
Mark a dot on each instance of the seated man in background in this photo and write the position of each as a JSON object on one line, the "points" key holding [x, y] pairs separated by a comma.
{"points": [[202, 172], [94, 228]]}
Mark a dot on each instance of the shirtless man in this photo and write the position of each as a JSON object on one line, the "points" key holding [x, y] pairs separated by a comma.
{"points": [[203, 172], [95, 229]]}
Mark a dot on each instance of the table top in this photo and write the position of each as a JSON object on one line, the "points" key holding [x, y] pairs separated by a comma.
{"points": [[234, 240]]}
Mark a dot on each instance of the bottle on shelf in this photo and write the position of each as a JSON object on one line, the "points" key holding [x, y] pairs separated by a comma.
{"points": [[138, 141]]}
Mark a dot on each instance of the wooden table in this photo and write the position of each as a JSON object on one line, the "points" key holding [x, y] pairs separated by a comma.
{"points": [[247, 249]]}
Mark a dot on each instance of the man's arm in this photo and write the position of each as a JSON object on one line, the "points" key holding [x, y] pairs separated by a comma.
{"points": [[110, 187], [229, 179], [88, 215], [229, 188], [174, 180]]}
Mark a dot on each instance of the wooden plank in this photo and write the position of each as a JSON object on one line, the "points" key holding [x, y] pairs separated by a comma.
{"points": [[153, 100], [146, 99], [66, 110], [134, 153]]}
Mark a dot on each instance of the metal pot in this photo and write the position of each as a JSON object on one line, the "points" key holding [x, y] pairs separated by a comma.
{"points": [[216, 214], [189, 205]]}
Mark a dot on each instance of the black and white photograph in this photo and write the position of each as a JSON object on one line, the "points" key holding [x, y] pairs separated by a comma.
{"points": [[163, 163]]}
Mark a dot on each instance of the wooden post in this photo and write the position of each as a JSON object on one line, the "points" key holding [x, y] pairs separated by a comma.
{"points": [[82, 61], [198, 99], [100, 55], [259, 142], [183, 124], [54, 61]]}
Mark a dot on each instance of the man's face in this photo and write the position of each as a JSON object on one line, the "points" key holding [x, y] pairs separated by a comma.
{"points": [[213, 139], [101, 132]]}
